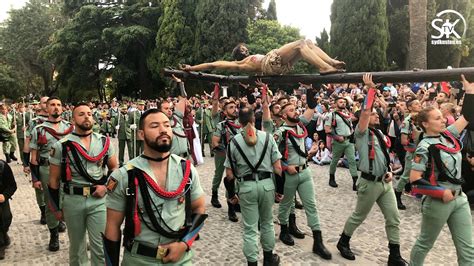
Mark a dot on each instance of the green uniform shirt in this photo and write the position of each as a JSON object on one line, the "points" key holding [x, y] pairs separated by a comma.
{"points": [[43, 150], [172, 211], [4, 125], [407, 128], [33, 123], [293, 157], [179, 144], [341, 128], [225, 133], [253, 154], [22, 119], [451, 161], [95, 170], [124, 122], [379, 164]]}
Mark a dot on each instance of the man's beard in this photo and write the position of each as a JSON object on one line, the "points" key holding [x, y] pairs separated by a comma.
{"points": [[154, 145], [55, 115], [293, 119], [233, 116], [84, 127]]}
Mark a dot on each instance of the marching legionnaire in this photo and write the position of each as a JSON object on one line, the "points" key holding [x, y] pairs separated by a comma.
{"points": [[42, 111], [136, 120], [7, 131], [290, 138], [224, 132], [375, 184], [22, 121], [206, 125], [159, 196], [77, 161], [339, 126], [113, 113], [436, 173], [410, 134], [271, 121], [43, 137], [252, 157], [122, 124]]}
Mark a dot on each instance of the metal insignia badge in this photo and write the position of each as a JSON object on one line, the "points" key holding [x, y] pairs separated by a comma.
{"points": [[181, 200], [111, 184], [417, 158]]}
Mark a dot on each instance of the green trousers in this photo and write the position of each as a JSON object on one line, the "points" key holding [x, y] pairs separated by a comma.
{"points": [[256, 201], [50, 218], [219, 159], [405, 177], [21, 144], [133, 259], [10, 145], [435, 214], [368, 193], [339, 149], [83, 214], [303, 183], [129, 144], [40, 197], [139, 148]]}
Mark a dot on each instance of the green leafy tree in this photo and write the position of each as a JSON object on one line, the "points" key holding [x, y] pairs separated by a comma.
{"points": [[359, 34], [399, 30], [323, 41]]}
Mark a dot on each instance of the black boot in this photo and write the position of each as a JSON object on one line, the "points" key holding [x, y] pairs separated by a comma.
{"points": [[293, 229], [395, 258], [237, 207], [298, 204], [270, 259], [12, 156], [285, 236], [7, 158], [7, 240], [215, 200], [249, 263], [61, 227], [354, 182], [54, 239], [231, 212], [318, 246], [344, 247], [43, 215], [2, 252], [332, 181], [400, 205]]}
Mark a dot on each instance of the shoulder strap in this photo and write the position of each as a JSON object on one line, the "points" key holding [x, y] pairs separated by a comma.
{"points": [[187, 202], [435, 153], [383, 146], [129, 230]]}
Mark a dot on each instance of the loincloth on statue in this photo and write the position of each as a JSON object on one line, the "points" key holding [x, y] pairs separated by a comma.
{"points": [[271, 64]]}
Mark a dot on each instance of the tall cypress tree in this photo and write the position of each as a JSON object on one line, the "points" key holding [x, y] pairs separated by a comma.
{"points": [[221, 24], [272, 11], [323, 41], [359, 34]]}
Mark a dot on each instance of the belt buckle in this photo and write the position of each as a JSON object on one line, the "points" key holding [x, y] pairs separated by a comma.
{"points": [[255, 176], [86, 191], [161, 252]]}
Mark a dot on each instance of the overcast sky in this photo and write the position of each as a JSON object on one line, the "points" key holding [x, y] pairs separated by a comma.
{"points": [[310, 16]]}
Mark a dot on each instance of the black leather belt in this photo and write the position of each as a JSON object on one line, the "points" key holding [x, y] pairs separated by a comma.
{"points": [[43, 161], [147, 251], [300, 168], [83, 191], [260, 176], [372, 177]]}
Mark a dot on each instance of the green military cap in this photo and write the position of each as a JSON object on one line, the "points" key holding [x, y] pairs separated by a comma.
{"points": [[35, 102], [141, 102], [123, 106]]}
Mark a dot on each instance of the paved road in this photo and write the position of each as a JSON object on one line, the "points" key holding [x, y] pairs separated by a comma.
{"points": [[221, 240]]}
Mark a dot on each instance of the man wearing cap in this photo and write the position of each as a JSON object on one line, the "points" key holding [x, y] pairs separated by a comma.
{"points": [[7, 131], [122, 123], [22, 121], [135, 122], [339, 127], [204, 118], [113, 113]]}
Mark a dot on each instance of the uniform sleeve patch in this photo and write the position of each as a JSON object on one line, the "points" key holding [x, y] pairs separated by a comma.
{"points": [[111, 184], [52, 152]]}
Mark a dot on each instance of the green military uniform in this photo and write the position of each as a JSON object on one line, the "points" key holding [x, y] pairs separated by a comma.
{"points": [[301, 181], [207, 126], [43, 158], [106, 128], [341, 127], [124, 135], [256, 196], [83, 211], [34, 121], [67, 115], [377, 191], [436, 213], [408, 128], [5, 127], [226, 132], [171, 211], [136, 120], [22, 119], [179, 145], [113, 114]]}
